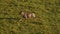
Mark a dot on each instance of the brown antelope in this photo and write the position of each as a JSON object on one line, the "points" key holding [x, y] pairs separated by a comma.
{"points": [[28, 15], [24, 14]]}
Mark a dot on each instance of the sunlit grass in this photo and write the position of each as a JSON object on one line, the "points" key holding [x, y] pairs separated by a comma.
{"points": [[47, 19]]}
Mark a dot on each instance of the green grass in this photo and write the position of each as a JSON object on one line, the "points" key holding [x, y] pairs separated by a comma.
{"points": [[47, 19]]}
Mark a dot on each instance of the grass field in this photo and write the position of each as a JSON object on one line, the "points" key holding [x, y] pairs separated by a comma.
{"points": [[47, 19]]}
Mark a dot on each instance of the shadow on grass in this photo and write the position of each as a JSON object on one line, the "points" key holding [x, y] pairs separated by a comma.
{"points": [[11, 18], [37, 23]]}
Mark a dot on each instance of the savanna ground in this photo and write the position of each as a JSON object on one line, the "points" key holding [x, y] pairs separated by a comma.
{"points": [[47, 19]]}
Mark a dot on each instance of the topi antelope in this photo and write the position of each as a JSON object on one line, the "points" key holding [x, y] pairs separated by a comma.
{"points": [[28, 15]]}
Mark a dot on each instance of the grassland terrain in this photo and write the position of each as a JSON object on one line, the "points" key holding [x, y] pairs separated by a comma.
{"points": [[47, 19]]}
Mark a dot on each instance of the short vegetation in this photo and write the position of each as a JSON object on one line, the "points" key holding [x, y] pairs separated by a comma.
{"points": [[47, 19]]}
